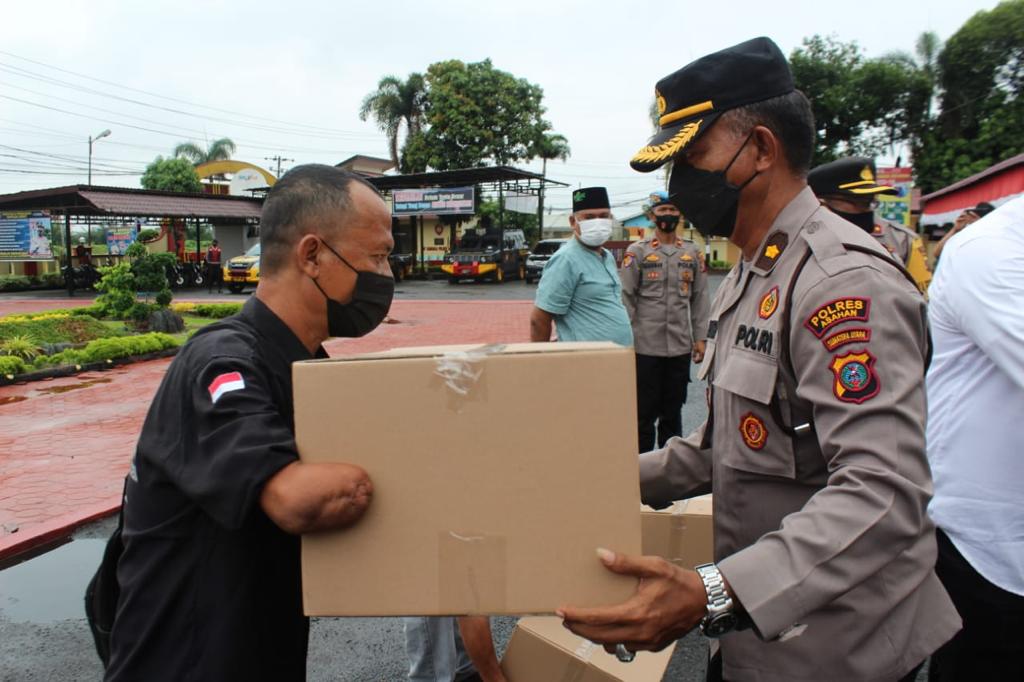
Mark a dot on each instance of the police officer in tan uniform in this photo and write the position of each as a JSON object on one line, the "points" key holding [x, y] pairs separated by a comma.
{"points": [[849, 188], [664, 289], [814, 446]]}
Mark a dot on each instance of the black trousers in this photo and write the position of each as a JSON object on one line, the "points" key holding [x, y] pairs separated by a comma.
{"points": [[991, 644], [214, 275], [660, 394]]}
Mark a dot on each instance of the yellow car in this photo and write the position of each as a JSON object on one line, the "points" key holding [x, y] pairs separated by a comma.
{"points": [[242, 270]]}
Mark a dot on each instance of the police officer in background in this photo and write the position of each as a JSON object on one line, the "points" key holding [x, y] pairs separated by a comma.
{"points": [[814, 445], [849, 188], [664, 289], [216, 498]]}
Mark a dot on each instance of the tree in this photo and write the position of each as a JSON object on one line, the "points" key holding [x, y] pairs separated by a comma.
{"points": [[393, 103], [549, 146], [981, 117], [860, 105], [475, 114], [219, 150], [173, 175]]}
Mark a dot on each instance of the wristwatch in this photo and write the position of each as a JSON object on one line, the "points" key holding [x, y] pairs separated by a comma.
{"points": [[721, 616]]}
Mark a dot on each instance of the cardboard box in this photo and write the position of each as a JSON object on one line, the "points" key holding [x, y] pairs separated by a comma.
{"points": [[541, 650], [497, 472], [682, 533]]}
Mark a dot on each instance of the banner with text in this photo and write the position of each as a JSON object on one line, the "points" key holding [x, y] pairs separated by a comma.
{"points": [[25, 236], [896, 207], [433, 201]]}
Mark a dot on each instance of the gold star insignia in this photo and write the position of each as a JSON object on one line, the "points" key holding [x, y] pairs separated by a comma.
{"points": [[772, 251]]}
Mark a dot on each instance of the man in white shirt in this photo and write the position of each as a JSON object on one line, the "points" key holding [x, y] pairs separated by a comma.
{"points": [[975, 408]]}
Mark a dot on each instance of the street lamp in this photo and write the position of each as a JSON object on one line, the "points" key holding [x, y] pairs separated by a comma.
{"points": [[91, 140]]}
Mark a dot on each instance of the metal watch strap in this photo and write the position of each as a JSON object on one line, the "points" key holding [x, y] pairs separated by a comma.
{"points": [[714, 585]]}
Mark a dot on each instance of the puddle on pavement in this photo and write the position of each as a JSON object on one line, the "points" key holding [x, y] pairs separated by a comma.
{"points": [[12, 399], [72, 387], [50, 587]]}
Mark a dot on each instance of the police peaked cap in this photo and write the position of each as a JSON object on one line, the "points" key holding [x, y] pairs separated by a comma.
{"points": [[852, 176], [590, 198], [691, 99]]}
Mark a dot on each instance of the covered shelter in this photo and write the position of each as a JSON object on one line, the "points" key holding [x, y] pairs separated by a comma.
{"points": [[411, 233], [235, 219], [996, 184]]}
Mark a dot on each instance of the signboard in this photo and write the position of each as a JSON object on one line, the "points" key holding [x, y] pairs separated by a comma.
{"points": [[25, 236], [433, 201], [896, 207], [120, 237]]}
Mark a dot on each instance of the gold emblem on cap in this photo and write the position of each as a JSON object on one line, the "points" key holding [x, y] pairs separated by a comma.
{"points": [[866, 174], [661, 102], [670, 147]]}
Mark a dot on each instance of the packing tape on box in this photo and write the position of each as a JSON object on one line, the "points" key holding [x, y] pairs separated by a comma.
{"points": [[677, 532], [574, 671], [471, 572], [460, 370]]}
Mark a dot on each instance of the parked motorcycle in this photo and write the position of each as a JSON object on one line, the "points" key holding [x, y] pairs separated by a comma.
{"points": [[80, 276]]}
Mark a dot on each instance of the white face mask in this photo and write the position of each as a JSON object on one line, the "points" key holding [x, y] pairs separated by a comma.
{"points": [[596, 232]]}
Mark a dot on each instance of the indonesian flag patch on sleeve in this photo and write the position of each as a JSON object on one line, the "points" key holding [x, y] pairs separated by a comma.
{"points": [[225, 383]]}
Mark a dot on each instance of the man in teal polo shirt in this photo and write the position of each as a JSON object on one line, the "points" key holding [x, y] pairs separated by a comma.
{"points": [[581, 292]]}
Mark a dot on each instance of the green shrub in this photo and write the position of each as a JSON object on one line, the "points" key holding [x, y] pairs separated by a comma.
{"points": [[118, 286], [23, 347], [163, 298], [148, 235], [140, 312], [10, 365], [217, 310], [125, 346], [14, 283]]}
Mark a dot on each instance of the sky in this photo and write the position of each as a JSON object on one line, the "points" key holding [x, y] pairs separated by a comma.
{"points": [[287, 78]]}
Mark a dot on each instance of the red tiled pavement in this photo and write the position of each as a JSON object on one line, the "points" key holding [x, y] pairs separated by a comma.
{"points": [[65, 444]]}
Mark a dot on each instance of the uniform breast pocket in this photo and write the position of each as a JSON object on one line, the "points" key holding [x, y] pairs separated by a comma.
{"points": [[685, 273], [746, 436]]}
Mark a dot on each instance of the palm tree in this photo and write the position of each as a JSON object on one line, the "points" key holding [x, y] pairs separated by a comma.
{"points": [[548, 146], [395, 102], [219, 150], [927, 48]]}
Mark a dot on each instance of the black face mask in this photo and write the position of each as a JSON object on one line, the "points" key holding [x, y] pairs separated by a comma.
{"points": [[667, 223], [370, 303], [706, 198], [865, 220]]}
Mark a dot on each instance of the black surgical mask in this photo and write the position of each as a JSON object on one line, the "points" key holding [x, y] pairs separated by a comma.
{"points": [[370, 303], [706, 198], [667, 223], [864, 220]]}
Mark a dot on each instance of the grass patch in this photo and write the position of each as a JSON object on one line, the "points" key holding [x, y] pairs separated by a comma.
{"points": [[54, 328]]}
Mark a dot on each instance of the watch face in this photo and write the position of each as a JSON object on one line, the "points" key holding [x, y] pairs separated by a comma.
{"points": [[720, 624]]}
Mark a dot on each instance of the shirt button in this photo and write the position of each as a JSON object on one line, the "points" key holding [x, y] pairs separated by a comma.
{"points": [[812, 228]]}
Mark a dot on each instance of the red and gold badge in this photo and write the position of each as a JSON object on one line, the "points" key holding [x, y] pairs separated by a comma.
{"points": [[769, 303], [753, 430], [855, 377]]}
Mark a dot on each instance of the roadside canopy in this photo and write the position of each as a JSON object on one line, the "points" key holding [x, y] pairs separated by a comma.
{"points": [[996, 185]]}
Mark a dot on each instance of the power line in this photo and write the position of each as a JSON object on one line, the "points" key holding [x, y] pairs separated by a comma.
{"points": [[169, 98]]}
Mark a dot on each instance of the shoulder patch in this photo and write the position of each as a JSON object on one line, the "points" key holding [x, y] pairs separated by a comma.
{"points": [[225, 383], [627, 260], [753, 430], [769, 303], [841, 338], [773, 248], [855, 377], [839, 310]]}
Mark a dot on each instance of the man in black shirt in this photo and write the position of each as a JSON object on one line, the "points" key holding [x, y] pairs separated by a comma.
{"points": [[216, 497]]}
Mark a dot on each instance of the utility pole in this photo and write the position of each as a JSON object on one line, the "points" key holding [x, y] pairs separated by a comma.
{"points": [[279, 161]]}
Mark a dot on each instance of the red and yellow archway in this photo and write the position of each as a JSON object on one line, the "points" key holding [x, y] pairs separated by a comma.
{"points": [[205, 170]]}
